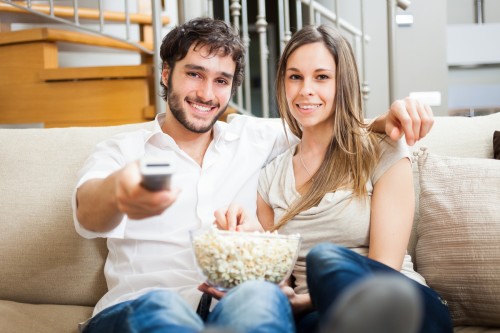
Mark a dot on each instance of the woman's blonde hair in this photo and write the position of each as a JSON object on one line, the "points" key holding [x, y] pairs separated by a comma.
{"points": [[353, 152]]}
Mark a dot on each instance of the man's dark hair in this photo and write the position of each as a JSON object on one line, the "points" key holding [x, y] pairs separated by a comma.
{"points": [[216, 35]]}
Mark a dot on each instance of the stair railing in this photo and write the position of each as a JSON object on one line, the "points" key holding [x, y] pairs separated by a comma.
{"points": [[51, 13], [235, 12]]}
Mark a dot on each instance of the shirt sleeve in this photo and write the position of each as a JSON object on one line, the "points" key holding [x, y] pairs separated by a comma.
{"points": [[391, 152], [108, 156]]}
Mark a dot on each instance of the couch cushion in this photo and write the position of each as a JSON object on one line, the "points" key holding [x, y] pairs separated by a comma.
{"points": [[459, 137], [30, 318], [43, 259], [458, 247]]}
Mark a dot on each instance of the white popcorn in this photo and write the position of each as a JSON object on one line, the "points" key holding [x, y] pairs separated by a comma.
{"points": [[230, 258]]}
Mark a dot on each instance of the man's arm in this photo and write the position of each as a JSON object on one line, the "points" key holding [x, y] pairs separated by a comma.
{"points": [[409, 117], [102, 203]]}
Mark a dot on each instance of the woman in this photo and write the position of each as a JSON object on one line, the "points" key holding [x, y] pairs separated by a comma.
{"points": [[342, 184]]}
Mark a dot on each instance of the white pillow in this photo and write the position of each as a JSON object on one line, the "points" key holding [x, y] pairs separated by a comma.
{"points": [[458, 236]]}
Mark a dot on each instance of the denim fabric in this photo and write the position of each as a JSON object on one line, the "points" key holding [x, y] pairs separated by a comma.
{"points": [[332, 269], [252, 307]]}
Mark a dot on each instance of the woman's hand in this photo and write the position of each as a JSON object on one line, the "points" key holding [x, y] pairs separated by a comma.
{"points": [[234, 218], [301, 303], [212, 291]]}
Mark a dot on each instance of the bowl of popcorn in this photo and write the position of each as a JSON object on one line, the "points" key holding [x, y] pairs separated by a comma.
{"points": [[228, 258]]}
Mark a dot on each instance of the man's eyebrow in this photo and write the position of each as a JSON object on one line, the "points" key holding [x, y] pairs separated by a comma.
{"points": [[192, 67]]}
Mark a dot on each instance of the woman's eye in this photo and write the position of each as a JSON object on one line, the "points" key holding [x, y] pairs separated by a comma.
{"points": [[323, 77], [294, 77]]}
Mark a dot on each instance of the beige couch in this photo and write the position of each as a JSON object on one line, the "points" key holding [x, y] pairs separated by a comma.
{"points": [[51, 278]]}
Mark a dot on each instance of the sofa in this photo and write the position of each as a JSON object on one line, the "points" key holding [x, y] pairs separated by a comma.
{"points": [[51, 278]]}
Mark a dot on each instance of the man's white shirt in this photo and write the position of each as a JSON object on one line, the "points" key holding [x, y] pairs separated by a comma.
{"points": [[155, 253]]}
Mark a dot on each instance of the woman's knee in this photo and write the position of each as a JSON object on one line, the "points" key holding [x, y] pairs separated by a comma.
{"points": [[324, 253]]}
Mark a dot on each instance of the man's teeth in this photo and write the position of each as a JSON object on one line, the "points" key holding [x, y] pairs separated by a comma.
{"points": [[201, 108]]}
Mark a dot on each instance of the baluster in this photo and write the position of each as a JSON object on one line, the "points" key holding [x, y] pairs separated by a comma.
{"points": [[365, 87], [246, 43], [261, 24], [235, 14]]}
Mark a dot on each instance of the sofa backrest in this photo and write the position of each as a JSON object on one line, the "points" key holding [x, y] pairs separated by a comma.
{"points": [[458, 137], [43, 259]]}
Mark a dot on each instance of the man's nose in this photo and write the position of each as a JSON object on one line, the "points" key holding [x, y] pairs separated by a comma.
{"points": [[206, 91]]}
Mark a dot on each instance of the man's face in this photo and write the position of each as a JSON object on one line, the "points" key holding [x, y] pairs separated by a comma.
{"points": [[199, 88]]}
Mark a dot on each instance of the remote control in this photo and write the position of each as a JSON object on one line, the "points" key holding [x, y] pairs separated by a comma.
{"points": [[156, 172]]}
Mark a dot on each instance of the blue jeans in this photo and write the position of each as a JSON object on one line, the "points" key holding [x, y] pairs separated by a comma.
{"points": [[252, 307], [332, 269]]}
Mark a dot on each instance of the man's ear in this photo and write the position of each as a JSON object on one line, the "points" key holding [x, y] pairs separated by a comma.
{"points": [[164, 75]]}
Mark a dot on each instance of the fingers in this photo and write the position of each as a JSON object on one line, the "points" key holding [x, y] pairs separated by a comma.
{"points": [[230, 218], [204, 287], [427, 121], [234, 215], [220, 218], [410, 117], [137, 202]]}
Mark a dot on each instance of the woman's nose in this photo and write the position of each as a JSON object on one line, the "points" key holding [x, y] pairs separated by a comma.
{"points": [[306, 89]]}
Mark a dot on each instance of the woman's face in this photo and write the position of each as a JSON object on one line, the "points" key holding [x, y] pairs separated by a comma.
{"points": [[310, 85]]}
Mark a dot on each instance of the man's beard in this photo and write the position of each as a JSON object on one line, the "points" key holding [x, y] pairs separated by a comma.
{"points": [[175, 106]]}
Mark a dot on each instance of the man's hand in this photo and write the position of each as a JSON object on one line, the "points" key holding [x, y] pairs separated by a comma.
{"points": [[102, 203], [137, 202], [409, 117]]}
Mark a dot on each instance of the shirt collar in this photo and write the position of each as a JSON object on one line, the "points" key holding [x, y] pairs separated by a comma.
{"points": [[221, 132]]}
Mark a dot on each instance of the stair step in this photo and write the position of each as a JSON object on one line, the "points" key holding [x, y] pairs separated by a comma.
{"points": [[83, 13], [58, 35], [88, 73]]}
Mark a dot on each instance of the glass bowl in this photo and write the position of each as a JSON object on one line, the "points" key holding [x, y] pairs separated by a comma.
{"points": [[228, 258]]}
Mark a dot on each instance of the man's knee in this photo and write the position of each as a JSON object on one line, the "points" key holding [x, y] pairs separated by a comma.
{"points": [[163, 298], [255, 288]]}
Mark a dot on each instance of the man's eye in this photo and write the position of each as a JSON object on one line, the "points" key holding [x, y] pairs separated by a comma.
{"points": [[193, 74], [222, 82]]}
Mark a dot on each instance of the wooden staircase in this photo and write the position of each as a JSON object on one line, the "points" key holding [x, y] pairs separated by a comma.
{"points": [[34, 89]]}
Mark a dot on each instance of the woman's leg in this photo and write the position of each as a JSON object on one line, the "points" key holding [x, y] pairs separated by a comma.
{"points": [[332, 270], [254, 306], [154, 312]]}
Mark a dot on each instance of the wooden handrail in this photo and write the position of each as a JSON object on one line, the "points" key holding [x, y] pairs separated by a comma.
{"points": [[89, 73], [83, 13], [56, 35]]}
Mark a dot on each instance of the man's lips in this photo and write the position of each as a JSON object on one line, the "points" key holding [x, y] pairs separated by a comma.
{"points": [[202, 107]]}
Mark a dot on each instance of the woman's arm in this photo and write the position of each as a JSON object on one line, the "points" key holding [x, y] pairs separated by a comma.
{"points": [[265, 214], [392, 208]]}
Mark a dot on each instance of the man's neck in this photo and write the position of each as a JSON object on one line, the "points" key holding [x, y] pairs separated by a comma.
{"points": [[192, 143]]}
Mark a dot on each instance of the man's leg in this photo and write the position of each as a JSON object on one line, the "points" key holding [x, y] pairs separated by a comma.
{"points": [[156, 311], [254, 306]]}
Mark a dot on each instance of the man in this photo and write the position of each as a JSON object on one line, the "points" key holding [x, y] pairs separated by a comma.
{"points": [[150, 270]]}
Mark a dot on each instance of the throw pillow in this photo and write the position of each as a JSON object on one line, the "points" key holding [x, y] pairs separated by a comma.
{"points": [[458, 236], [496, 145]]}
